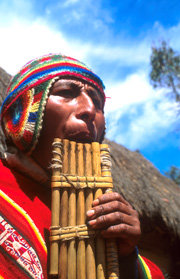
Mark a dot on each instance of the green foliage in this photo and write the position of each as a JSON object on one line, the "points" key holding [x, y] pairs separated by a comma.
{"points": [[174, 174], [165, 69]]}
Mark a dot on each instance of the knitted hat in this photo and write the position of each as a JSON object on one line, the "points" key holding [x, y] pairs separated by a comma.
{"points": [[23, 109]]}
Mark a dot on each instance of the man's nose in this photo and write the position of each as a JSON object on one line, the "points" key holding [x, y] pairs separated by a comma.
{"points": [[86, 109]]}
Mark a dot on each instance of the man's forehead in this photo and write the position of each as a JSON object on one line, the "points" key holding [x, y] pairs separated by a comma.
{"points": [[72, 81]]}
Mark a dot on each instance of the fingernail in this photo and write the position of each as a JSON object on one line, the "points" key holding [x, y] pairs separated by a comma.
{"points": [[92, 222], [90, 212], [95, 202]]}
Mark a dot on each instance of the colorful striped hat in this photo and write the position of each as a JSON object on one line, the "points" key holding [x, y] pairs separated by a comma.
{"points": [[23, 109]]}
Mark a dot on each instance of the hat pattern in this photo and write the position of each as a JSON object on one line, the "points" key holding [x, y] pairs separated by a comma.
{"points": [[23, 118]]}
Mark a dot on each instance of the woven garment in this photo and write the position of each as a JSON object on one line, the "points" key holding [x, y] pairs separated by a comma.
{"points": [[24, 224], [23, 109]]}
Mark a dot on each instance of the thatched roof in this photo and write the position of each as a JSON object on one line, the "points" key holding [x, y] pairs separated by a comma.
{"points": [[4, 81], [154, 196]]}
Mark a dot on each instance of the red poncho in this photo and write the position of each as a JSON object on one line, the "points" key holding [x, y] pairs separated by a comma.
{"points": [[24, 229]]}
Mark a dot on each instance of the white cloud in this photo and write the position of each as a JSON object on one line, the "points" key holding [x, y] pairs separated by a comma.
{"points": [[148, 114], [31, 36], [23, 40], [134, 89], [135, 52], [137, 114], [124, 54]]}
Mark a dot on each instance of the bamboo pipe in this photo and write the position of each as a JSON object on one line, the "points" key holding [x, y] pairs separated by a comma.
{"points": [[72, 216], [81, 267], [90, 247], [111, 245], [55, 209], [64, 216], [100, 243]]}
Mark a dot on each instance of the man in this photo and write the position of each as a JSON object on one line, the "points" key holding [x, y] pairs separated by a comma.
{"points": [[54, 96]]}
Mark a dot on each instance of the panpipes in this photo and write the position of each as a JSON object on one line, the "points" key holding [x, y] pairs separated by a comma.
{"points": [[80, 174]]}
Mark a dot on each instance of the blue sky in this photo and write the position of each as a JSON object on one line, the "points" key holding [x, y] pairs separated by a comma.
{"points": [[114, 38]]}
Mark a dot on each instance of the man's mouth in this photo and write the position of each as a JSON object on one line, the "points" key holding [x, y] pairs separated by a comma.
{"points": [[80, 131], [82, 136]]}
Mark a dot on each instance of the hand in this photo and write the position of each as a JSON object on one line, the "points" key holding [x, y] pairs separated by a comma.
{"points": [[112, 214]]}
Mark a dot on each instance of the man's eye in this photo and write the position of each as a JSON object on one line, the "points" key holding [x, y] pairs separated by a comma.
{"points": [[65, 93]]}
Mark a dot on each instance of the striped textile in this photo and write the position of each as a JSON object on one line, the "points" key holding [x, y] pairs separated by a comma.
{"points": [[144, 271]]}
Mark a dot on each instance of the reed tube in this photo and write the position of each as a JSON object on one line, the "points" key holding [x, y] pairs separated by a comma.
{"points": [[64, 215], [81, 263], [90, 245], [111, 245], [55, 208], [100, 243], [72, 215]]}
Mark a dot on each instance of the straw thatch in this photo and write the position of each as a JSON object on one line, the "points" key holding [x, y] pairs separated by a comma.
{"points": [[157, 200], [4, 81], [155, 197]]}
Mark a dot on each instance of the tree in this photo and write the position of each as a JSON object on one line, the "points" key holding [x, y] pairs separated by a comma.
{"points": [[165, 73], [174, 174], [165, 69]]}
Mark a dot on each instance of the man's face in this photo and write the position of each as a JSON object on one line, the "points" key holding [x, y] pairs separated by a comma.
{"points": [[74, 111]]}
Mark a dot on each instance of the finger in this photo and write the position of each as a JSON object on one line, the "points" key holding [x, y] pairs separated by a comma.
{"points": [[108, 197], [122, 231], [105, 221], [109, 207]]}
